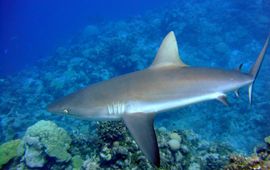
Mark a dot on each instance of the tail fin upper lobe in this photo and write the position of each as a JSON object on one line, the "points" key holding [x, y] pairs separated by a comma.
{"points": [[256, 67]]}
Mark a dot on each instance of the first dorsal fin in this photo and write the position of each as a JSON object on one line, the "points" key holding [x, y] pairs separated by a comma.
{"points": [[167, 54]]}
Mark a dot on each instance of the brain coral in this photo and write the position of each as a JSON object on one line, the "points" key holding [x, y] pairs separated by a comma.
{"points": [[174, 144], [46, 137]]}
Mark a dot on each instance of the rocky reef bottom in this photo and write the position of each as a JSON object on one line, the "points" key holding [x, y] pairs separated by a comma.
{"points": [[47, 146]]}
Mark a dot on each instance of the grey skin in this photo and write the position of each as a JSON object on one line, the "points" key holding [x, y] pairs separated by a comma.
{"points": [[168, 83]]}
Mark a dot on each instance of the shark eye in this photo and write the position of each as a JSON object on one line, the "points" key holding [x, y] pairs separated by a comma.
{"points": [[66, 111]]}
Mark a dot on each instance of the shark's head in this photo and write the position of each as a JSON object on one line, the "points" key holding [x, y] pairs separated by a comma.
{"points": [[67, 106], [82, 105]]}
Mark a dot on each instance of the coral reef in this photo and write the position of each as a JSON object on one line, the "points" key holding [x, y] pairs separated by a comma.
{"points": [[174, 144], [267, 140], [45, 139], [47, 146], [260, 159], [9, 150], [238, 162], [111, 131], [77, 162], [188, 152]]}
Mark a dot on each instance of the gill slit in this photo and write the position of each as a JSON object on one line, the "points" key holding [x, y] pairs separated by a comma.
{"points": [[116, 108]]}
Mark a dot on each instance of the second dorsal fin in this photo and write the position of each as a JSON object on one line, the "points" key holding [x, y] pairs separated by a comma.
{"points": [[167, 54]]}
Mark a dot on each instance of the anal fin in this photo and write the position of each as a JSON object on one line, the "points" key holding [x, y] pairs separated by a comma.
{"points": [[140, 126], [223, 99]]}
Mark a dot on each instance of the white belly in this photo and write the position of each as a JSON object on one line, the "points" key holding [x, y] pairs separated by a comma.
{"points": [[159, 106]]}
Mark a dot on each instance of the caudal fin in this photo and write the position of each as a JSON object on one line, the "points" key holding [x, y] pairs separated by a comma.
{"points": [[256, 67]]}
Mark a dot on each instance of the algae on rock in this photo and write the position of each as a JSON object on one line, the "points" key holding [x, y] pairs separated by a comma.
{"points": [[9, 150], [77, 162], [267, 140]]}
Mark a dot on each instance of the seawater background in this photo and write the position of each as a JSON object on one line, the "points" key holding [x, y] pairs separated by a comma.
{"points": [[69, 48], [31, 29]]}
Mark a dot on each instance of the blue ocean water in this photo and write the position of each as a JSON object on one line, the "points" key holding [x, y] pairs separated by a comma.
{"points": [[31, 30], [52, 48]]}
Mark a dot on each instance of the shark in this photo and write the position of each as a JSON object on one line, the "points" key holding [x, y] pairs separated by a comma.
{"points": [[168, 83]]}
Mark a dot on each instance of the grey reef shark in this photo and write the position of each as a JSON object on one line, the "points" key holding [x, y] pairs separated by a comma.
{"points": [[167, 84]]}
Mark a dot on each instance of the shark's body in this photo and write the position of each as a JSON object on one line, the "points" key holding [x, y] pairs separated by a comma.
{"points": [[168, 83]]}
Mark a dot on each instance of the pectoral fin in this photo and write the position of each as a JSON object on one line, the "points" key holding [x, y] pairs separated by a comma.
{"points": [[140, 126]]}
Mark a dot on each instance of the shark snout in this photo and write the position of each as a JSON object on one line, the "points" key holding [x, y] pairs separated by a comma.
{"points": [[56, 107], [51, 108]]}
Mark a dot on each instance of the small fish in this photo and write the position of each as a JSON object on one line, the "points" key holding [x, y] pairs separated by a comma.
{"points": [[167, 84]]}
